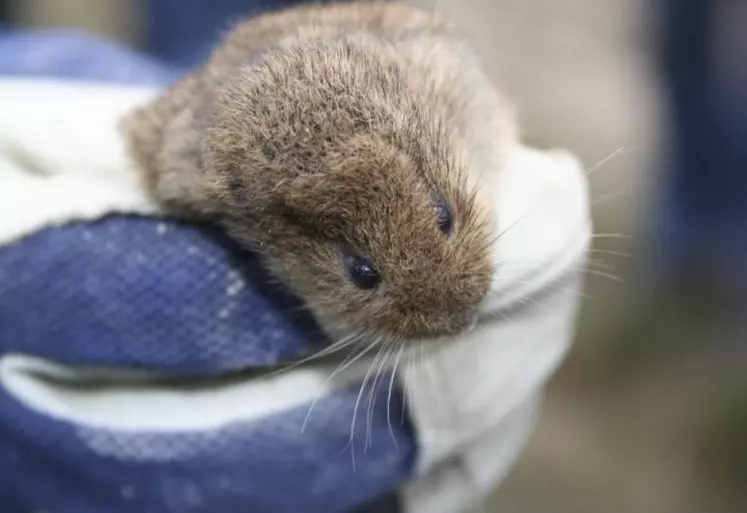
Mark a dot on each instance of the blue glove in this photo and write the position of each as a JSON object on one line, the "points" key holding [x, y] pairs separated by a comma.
{"points": [[158, 296]]}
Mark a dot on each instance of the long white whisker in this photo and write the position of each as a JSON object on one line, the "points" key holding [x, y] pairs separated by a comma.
{"points": [[386, 353], [357, 405], [611, 252], [601, 264], [347, 362], [539, 200], [602, 274], [339, 345], [389, 395], [408, 386], [620, 151], [608, 197], [428, 364], [610, 236]]}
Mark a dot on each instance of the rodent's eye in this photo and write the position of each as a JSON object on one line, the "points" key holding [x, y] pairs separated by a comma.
{"points": [[444, 217], [362, 272]]}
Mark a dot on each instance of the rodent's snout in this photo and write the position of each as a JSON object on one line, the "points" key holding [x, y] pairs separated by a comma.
{"points": [[464, 322], [442, 312], [442, 298]]}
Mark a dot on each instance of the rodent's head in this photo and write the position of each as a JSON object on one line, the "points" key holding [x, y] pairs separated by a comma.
{"points": [[350, 190]]}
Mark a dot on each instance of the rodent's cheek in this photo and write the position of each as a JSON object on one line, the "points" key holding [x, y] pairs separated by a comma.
{"points": [[339, 312], [542, 223]]}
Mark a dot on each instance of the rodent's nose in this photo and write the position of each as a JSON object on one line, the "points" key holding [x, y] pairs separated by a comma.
{"points": [[464, 323]]}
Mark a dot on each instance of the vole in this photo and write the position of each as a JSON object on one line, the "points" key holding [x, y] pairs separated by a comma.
{"points": [[356, 147]]}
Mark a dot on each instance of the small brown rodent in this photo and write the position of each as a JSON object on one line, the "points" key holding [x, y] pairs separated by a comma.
{"points": [[354, 146]]}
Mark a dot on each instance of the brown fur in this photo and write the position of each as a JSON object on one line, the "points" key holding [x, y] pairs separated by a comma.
{"points": [[327, 127]]}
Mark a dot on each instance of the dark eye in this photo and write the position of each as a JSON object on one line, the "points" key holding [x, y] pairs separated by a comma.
{"points": [[362, 272], [443, 216]]}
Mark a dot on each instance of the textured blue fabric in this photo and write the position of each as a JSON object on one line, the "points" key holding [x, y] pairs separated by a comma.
{"points": [[119, 290], [131, 292], [264, 466]]}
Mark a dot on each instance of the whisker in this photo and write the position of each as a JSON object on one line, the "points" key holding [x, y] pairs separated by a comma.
{"points": [[620, 151], [602, 274], [601, 264], [608, 197], [357, 404], [389, 395], [384, 352], [337, 346], [428, 363], [408, 387], [611, 252], [593, 169], [347, 362], [610, 236]]}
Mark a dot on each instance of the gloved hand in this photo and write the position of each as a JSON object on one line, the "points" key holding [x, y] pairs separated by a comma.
{"points": [[132, 346]]}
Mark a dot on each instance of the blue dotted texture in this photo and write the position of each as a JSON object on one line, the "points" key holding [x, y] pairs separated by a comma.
{"points": [[133, 292], [146, 294], [269, 465]]}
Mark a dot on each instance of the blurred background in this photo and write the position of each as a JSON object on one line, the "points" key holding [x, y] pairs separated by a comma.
{"points": [[649, 412]]}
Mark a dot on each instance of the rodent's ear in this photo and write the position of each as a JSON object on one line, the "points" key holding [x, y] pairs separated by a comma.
{"points": [[163, 138]]}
